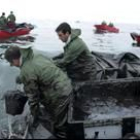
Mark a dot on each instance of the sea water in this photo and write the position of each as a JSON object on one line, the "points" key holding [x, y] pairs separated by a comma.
{"points": [[47, 42]]}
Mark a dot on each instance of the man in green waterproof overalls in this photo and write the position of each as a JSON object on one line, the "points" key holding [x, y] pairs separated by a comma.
{"points": [[77, 60], [3, 22], [45, 84], [11, 20]]}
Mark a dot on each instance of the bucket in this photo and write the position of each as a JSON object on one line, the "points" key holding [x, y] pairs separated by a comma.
{"points": [[15, 102]]}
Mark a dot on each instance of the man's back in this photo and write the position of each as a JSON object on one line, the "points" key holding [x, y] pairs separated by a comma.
{"points": [[52, 80]]}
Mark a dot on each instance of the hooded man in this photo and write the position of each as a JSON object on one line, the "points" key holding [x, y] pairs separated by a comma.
{"points": [[11, 19], [77, 60], [45, 85], [3, 22]]}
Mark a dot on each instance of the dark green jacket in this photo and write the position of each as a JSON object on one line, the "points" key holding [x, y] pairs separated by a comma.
{"points": [[77, 60], [44, 83], [11, 18], [3, 22]]}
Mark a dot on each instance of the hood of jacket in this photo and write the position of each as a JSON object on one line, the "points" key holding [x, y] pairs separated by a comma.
{"points": [[75, 33], [27, 55]]}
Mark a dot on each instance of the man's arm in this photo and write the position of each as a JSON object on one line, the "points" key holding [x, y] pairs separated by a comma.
{"points": [[72, 53], [60, 56]]}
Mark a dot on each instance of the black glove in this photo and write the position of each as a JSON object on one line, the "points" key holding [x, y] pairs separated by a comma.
{"points": [[18, 80]]}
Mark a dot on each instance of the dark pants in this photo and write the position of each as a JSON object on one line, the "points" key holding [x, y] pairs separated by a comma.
{"points": [[55, 120]]}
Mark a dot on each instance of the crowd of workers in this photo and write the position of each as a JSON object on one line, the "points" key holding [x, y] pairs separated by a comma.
{"points": [[7, 22]]}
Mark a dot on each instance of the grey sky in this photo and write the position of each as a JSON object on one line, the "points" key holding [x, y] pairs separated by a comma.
{"points": [[126, 11]]}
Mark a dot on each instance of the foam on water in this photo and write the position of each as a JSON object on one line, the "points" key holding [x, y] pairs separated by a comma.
{"points": [[110, 109]]}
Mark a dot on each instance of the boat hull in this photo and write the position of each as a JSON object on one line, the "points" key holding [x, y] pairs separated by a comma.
{"points": [[19, 32], [106, 28], [135, 37], [21, 29]]}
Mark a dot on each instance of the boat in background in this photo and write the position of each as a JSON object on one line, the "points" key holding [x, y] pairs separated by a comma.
{"points": [[21, 29], [135, 37], [104, 28]]}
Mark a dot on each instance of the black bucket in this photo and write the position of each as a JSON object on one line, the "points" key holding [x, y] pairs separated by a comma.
{"points": [[15, 102]]}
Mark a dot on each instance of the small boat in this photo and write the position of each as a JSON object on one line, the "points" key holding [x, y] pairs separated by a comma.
{"points": [[21, 29], [106, 28], [135, 37]]}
